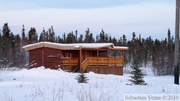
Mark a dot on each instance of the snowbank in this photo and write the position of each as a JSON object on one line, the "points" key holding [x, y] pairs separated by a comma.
{"points": [[40, 84]]}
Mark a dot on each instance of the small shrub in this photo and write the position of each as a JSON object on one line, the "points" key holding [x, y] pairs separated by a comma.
{"points": [[81, 78]]}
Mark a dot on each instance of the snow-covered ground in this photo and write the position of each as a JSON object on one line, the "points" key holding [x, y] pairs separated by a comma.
{"points": [[41, 84]]}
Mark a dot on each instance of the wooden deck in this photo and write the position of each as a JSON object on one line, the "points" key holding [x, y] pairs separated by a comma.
{"points": [[93, 61], [101, 62], [69, 62]]}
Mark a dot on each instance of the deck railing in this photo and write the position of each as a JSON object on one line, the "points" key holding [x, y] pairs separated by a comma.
{"points": [[93, 61], [69, 62]]}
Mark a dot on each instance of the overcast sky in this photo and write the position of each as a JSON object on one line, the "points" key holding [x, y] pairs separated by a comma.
{"points": [[117, 17]]}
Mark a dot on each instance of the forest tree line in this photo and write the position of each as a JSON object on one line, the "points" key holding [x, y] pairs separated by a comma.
{"points": [[157, 53]]}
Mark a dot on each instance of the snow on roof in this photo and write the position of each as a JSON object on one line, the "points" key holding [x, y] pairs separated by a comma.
{"points": [[73, 46], [121, 47]]}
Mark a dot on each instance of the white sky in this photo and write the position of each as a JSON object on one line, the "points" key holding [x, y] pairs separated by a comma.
{"points": [[117, 17]]}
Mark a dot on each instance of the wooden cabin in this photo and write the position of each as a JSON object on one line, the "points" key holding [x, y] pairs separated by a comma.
{"points": [[104, 58]]}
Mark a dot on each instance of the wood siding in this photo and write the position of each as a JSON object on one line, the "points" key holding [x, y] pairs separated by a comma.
{"points": [[47, 57], [52, 58], [35, 58]]}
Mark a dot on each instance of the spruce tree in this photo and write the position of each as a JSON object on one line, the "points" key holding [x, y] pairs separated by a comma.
{"points": [[87, 36], [51, 34], [32, 35], [81, 78], [6, 43], [24, 40], [42, 36], [80, 39], [136, 73]]}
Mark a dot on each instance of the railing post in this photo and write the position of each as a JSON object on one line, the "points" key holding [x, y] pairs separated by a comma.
{"points": [[97, 57], [70, 62], [115, 61], [108, 57], [80, 58]]}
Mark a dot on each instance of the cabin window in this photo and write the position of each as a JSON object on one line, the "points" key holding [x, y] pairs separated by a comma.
{"points": [[111, 53], [68, 55], [115, 53], [118, 53], [102, 54]]}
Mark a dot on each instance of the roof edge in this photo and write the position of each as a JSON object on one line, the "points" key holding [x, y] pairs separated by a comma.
{"points": [[73, 46]]}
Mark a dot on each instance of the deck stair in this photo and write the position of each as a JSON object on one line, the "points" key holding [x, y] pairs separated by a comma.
{"points": [[85, 64], [76, 69]]}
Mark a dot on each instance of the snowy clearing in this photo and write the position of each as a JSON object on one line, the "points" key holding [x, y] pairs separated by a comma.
{"points": [[41, 84]]}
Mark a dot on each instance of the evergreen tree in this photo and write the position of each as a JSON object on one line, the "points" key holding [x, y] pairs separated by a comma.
{"points": [[110, 39], [12, 51], [76, 34], [43, 36], [71, 38], [24, 39], [18, 59], [33, 37], [124, 40], [59, 40], [114, 41], [136, 73], [88, 37], [120, 42], [6, 45], [80, 39], [91, 39], [102, 37], [170, 54], [81, 78], [64, 38], [51, 34]]}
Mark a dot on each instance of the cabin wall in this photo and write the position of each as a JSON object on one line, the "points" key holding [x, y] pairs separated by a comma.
{"points": [[47, 57], [87, 54], [51, 58], [35, 58]]}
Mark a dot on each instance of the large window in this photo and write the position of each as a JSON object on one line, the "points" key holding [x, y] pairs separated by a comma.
{"points": [[115, 53], [102, 54]]}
